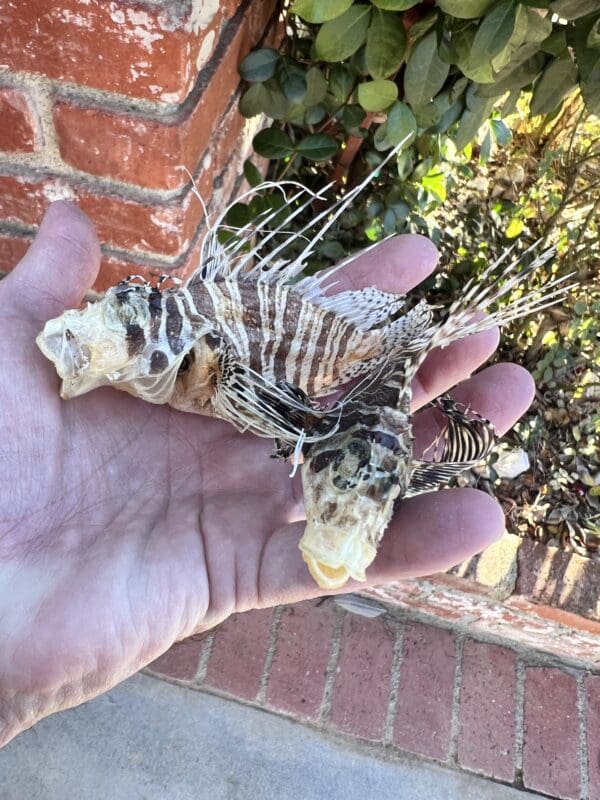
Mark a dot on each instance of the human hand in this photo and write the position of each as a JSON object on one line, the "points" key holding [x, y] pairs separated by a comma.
{"points": [[125, 527]]}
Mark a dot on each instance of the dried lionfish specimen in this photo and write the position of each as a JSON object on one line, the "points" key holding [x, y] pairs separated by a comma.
{"points": [[249, 340]]}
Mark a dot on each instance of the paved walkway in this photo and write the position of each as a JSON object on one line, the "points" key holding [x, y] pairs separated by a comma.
{"points": [[153, 740]]}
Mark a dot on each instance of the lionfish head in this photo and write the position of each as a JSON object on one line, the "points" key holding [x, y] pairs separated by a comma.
{"points": [[131, 339]]}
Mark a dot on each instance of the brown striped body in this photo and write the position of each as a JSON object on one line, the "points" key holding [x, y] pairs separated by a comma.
{"points": [[277, 333]]}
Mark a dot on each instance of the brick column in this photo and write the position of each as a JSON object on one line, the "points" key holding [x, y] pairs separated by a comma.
{"points": [[104, 102]]}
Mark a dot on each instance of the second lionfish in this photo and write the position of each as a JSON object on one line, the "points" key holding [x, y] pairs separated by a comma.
{"points": [[249, 340]]}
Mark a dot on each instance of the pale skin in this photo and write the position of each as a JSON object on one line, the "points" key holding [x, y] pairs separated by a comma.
{"points": [[125, 527]]}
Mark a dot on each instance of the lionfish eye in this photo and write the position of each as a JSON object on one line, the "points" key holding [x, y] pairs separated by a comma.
{"points": [[186, 363]]}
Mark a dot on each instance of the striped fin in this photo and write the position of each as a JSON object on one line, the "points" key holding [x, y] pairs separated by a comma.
{"points": [[248, 255], [465, 441], [252, 403], [365, 308]]}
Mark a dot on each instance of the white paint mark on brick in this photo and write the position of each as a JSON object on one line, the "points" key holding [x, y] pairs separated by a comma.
{"points": [[164, 219], [202, 14], [118, 16], [146, 38], [206, 49], [76, 19], [139, 18], [168, 97], [57, 190]]}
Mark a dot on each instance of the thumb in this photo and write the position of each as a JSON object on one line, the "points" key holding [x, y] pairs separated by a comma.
{"points": [[59, 267]]}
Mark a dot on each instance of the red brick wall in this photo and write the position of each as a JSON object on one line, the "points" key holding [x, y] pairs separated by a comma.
{"points": [[103, 102]]}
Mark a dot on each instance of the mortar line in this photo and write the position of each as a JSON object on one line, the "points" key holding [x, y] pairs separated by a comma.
{"points": [[519, 721], [207, 647], [330, 672], [584, 782], [397, 660], [261, 695], [456, 690]]}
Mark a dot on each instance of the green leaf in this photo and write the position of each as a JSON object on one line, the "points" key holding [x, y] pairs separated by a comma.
{"points": [[515, 227], [395, 5], [292, 79], [557, 80], [421, 26], [259, 65], [593, 37], [316, 87], [314, 115], [425, 72], [351, 118], [238, 215], [250, 104], [318, 147], [471, 120], [485, 149], [435, 183], [494, 33], [251, 173], [591, 97], [511, 78], [500, 131], [377, 95], [400, 126], [573, 9], [272, 143], [341, 82], [318, 11], [556, 43], [386, 44], [264, 98], [538, 27], [341, 37], [450, 116], [588, 58], [465, 9]]}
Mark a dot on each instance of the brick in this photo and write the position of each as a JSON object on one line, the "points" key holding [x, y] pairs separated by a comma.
{"points": [[487, 715], [12, 250], [551, 736], [425, 690], [570, 581], [18, 128], [165, 228], [149, 151], [296, 680], [592, 700], [238, 654], [182, 660], [147, 52], [362, 683]]}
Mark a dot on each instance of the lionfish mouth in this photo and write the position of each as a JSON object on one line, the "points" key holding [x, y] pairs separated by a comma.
{"points": [[334, 555], [60, 346]]}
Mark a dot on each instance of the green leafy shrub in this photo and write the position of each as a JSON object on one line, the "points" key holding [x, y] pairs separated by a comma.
{"points": [[362, 77]]}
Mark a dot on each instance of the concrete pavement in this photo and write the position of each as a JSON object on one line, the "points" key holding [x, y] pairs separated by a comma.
{"points": [[151, 740]]}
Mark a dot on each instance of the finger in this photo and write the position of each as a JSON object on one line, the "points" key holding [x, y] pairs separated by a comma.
{"points": [[444, 368], [433, 532], [395, 265], [59, 267], [501, 393]]}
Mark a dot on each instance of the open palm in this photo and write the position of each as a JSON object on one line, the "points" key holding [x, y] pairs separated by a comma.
{"points": [[125, 527]]}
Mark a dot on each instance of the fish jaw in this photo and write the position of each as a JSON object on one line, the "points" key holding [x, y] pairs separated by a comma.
{"points": [[334, 555], [85, 353]]}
